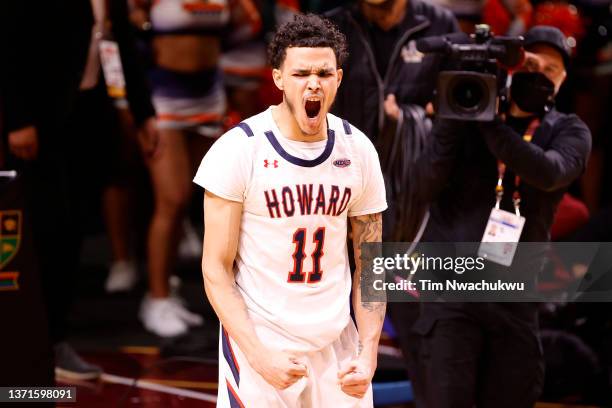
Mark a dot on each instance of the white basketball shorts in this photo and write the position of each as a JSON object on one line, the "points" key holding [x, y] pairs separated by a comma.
{"points": [[241, 387]]}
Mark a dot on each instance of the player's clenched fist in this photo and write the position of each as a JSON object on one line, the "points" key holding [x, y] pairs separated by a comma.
{"points": [[355, 378], [281, 369]]}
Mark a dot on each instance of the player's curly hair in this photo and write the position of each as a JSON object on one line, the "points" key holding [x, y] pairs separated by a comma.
{"points": [[306, 30]]}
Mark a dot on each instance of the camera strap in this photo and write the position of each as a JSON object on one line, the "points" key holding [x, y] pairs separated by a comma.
{"points": [[503, 231], [501, 171]]}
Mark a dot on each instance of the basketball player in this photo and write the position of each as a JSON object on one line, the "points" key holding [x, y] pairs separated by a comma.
{"points": [[280, 189]]}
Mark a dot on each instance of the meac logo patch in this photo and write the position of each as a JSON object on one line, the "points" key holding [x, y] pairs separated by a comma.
{"points": [[10, 235], [10, 240], [342, 163]]}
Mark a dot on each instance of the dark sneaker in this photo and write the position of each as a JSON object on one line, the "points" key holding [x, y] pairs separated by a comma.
{"points": [[69, 365]]}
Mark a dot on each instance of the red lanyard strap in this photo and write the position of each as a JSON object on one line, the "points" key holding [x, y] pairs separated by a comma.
{"points": [[501, 171]]}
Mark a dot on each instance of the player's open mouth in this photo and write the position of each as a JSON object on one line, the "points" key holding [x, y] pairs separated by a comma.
{"points": [[312, 107]]}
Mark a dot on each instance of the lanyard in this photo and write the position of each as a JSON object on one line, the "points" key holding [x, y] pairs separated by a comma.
{"points": [[501, 171]]}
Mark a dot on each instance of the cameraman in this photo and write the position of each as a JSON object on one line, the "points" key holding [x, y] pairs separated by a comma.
{"points": [[488, 355], [387, 85]]}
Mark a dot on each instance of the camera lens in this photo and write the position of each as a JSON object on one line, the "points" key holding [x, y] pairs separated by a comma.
{"points": [[468, 94]]}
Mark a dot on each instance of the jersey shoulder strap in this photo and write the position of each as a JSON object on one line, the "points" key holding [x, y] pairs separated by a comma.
{"points": [[246, 129], [347, 127]]}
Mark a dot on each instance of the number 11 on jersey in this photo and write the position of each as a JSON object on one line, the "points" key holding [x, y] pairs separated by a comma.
{"points": [[297, 275]]}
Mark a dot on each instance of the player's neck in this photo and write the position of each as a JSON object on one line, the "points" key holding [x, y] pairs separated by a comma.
{"points": [[289, 127]]}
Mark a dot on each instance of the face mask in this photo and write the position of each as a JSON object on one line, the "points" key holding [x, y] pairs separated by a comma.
{"points": [[532, 91]]}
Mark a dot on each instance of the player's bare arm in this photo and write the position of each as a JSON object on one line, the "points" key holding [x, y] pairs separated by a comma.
{"points": [[222, 226], [356, 377]]}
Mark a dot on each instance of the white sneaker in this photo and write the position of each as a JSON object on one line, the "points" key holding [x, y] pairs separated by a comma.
{"points": [[192, 319], [160, 316], [122, 276], [190, 245]]}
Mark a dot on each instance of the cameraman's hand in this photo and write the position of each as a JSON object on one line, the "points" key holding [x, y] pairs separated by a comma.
{"points": [[23, 143], [392, 110], [281, 369], [429, 109]]}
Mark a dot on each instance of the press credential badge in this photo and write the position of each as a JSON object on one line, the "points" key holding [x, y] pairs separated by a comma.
{"points": [[501, 236], [112, 68]]}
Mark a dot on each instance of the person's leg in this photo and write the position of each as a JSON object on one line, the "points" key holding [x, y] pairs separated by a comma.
{"points": [[57, 242], [115, 205], [513, 370], [170, 176], [117, 198], [403, 315], [447, 363], [200, 140], [89, 132], [170, 172], [116, 208], [193, 221]]}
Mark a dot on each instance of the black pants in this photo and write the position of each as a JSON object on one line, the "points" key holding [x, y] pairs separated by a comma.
{"points": [[54, 230], [403, 316], [484, 355]]}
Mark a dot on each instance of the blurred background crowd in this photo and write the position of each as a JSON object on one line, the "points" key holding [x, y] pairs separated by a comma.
{"points": [[105, 145]]}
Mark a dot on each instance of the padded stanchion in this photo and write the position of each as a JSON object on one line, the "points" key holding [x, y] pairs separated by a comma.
{"points": [[388, 393]]}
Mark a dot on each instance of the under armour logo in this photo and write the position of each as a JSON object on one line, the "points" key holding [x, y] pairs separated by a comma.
{"points": [[268, 164]]}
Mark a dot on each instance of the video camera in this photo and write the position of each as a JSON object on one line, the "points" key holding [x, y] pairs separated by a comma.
{"points": [[470, 90]]}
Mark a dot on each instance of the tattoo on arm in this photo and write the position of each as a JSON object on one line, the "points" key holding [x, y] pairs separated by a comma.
{"points": [[375, 307], [368, 228]]}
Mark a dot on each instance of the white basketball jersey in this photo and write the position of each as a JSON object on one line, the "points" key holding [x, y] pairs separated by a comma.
{"points": [[292, 264]]}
